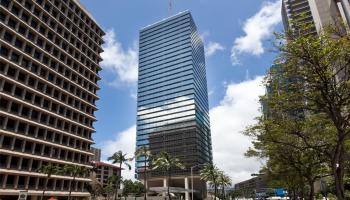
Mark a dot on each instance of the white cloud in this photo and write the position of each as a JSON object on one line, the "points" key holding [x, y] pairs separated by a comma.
{"points": [[237, 110], [121, 62], [257, 28], [126, 142], [212, 47]]}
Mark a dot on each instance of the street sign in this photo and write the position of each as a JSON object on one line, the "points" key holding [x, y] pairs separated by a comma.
{"points": [[22, 195], [280, 192]]}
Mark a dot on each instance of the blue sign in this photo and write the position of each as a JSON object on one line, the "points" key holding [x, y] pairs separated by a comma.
{"points": [[280, 192]]}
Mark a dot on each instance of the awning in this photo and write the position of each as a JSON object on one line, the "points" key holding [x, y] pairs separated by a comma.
{"points": [[171, 189]]}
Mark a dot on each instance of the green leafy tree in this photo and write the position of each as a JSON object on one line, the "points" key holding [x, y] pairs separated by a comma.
{"points": [[144, 153], [281, 175], [49, 170], [114, 183], [235, 193], [74, 171], [310, 96], [166, 162], [323, 64], [95, 188], [133, 187], [210, 173], [109, 190], [276, 138]]}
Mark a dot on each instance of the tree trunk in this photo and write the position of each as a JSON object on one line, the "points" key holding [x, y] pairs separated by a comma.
{"points": [[215, 190], [312, 190], [223, 192], [294, 194], [70, 187], [118, 184], [338, 171], [145, 179], [168, 184], [302, 192], [45, 186]]}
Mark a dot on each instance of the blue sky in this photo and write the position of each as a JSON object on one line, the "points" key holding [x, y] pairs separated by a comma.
{"points": [[237, 36]]}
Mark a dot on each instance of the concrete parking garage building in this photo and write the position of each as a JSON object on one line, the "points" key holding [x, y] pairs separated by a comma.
{"points": [[49, 64]]}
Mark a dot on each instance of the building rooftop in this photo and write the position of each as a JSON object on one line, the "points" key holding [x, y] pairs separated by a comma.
{"points": [[99, 163], [87, 12], [165, 19]]}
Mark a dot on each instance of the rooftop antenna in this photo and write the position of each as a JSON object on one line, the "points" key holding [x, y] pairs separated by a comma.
{"points": [[170, 7]]}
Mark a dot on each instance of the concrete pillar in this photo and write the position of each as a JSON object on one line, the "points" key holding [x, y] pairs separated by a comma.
{"points": [[346, 9], [187, 194]]}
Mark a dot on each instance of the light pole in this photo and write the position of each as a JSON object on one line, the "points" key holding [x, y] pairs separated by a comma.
{"points": [[192, 177]]}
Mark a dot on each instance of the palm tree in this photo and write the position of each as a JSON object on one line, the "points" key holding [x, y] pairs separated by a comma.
{"points": [[48, 170], [210, 174], [120, 158], [224, 181], [164, 161], [74, 171], [144, 153]]}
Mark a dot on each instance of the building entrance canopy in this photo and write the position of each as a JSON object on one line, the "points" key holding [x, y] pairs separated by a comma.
{"points": [[171, 189]]}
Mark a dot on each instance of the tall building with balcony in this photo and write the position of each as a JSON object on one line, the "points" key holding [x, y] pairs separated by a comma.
{"points": [[318, 13], [49, 64], [172, 100]]}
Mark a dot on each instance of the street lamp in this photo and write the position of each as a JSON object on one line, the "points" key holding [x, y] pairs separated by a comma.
{"points": [[192, 177]]}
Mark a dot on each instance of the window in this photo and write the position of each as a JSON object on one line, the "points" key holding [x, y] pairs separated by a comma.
{"points": [[39, 42], [3, 104], [22, 30], [15, 10], [11, 72], [31, 36], [34, 68], [10, 125], [18, 92], [4, 51], [12, 23], [2, 16], [28, 96], [8, 87], [18, 44], [36, 12], [35, 114], [25, 111], [28, 5], [8, 37], [5, 3], [42, 29], [25, 17], [28, 49], [10, 181], [31, 82], [15, 57], [34, 24], [28, 147], [21, 77]]}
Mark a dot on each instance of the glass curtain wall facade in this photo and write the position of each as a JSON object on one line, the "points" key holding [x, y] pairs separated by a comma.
{"points": [[172, 101]]}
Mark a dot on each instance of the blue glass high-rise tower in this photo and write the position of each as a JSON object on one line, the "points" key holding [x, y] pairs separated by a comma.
{"points": [[172, 100]]}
